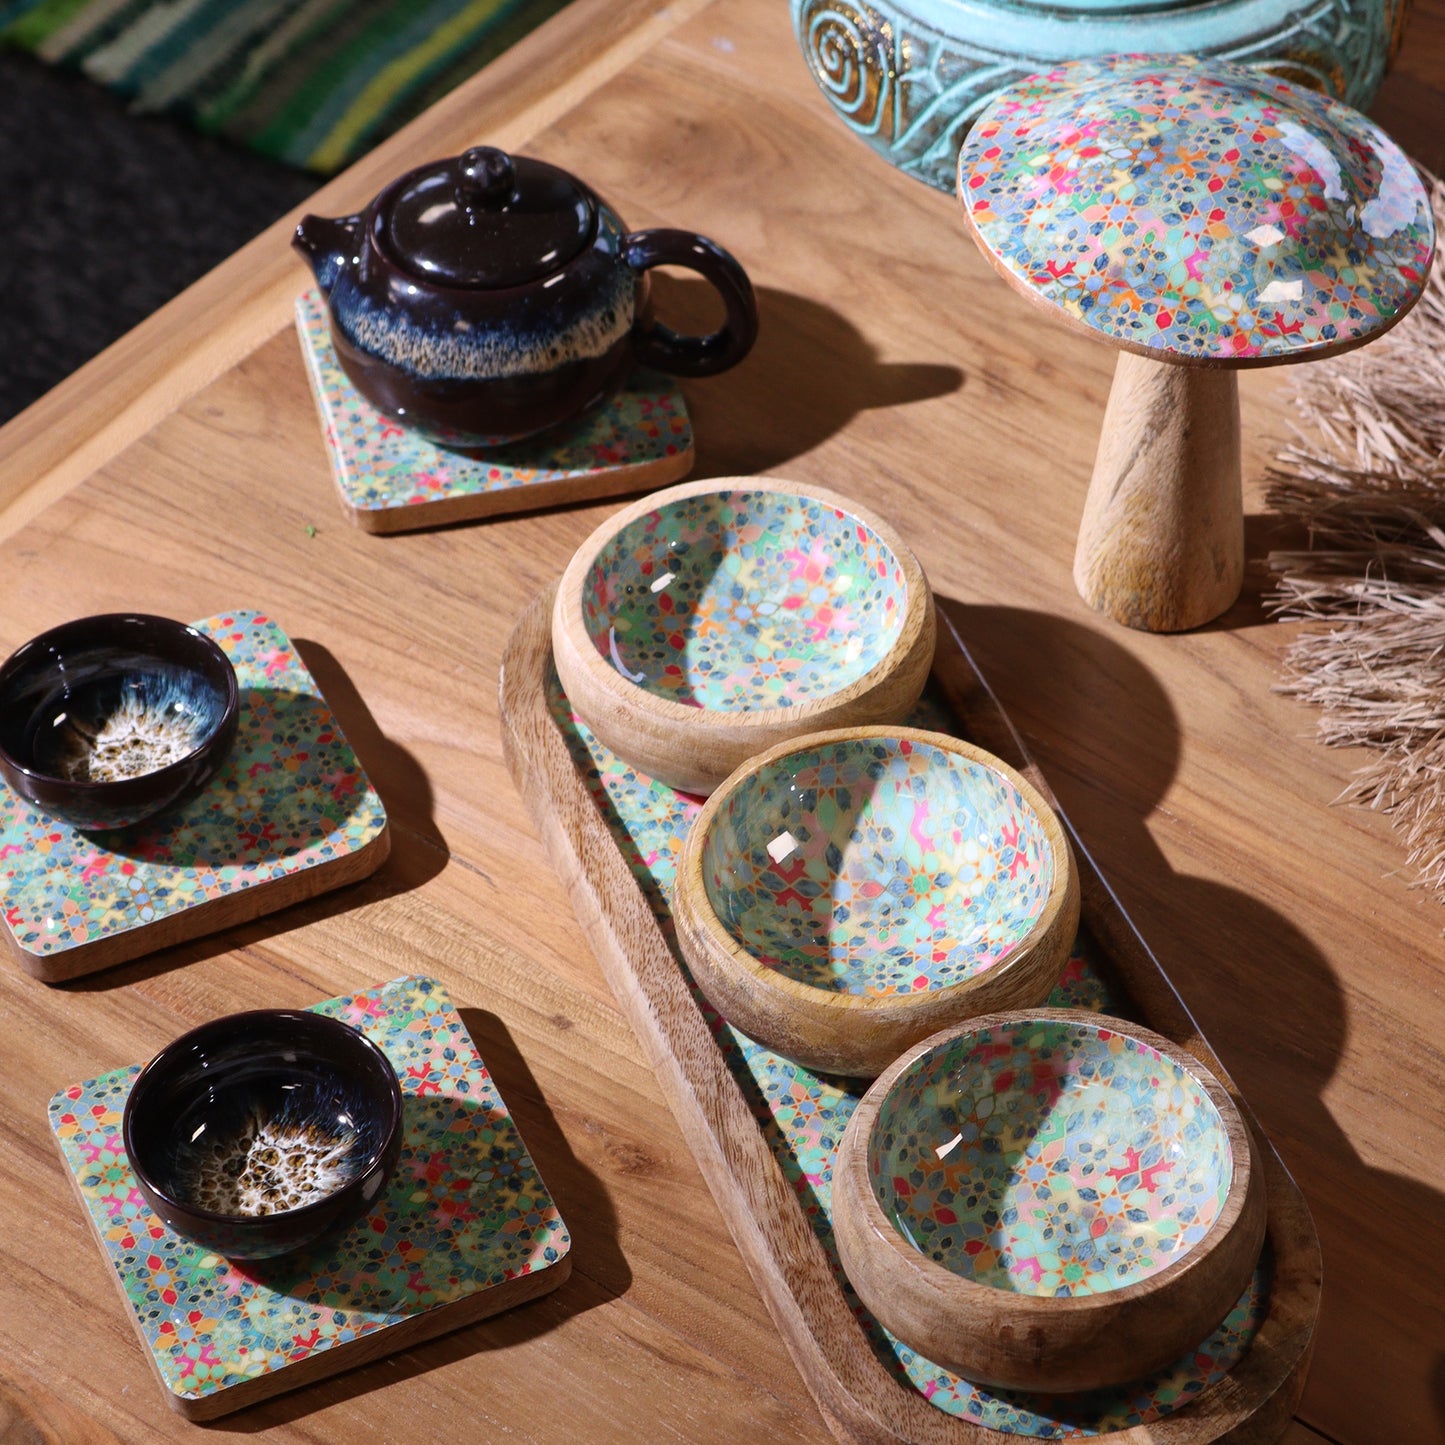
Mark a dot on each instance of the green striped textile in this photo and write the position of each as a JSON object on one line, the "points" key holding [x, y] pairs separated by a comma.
{"points": [[314, 83]]}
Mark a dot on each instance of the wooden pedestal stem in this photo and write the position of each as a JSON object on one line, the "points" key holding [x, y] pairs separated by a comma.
{"points": [[1161, 544]]}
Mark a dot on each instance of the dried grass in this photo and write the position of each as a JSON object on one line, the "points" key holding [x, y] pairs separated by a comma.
{"points": [[1366, 478]]}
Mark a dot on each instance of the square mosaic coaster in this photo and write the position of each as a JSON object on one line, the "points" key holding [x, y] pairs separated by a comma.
{"points": [[392, 480], [464, 1230], [290, 814]]}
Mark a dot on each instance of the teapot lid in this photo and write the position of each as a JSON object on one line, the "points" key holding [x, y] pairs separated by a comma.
{"points": [[485, 219]]}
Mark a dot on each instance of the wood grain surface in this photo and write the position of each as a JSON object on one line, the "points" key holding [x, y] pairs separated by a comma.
{"points": [[1161, 541], [180, 473]]}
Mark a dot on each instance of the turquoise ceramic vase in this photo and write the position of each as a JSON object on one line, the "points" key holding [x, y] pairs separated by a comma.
{"points": [[909, 76]]}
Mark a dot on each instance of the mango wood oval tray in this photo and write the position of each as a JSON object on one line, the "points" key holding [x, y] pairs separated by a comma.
{"points": [[774, 1191]]}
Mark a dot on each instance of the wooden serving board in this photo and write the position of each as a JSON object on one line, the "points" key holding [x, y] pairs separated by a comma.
{"points": [[762, 1129]]}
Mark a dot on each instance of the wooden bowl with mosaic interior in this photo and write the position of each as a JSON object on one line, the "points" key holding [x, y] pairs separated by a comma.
{"points": [[710, 621], [1048, 1200], [848, 893]]}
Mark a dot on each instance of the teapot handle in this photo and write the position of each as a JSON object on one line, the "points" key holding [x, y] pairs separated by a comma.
{"points": [[660, 346]]}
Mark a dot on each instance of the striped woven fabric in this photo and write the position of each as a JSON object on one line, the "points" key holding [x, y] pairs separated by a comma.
{"points": [[311, 82]]}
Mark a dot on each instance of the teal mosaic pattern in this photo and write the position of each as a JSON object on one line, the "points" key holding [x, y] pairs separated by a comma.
{"points": [[464, 1212], [1198, 209], [802, 1115], [380, 466], [879, 867], [741, 600], [1051, 1158], [290, 796]]}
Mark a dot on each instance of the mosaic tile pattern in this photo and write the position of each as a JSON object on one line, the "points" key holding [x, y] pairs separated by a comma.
{"points": [[744, 600], [380, 466], [877, 867], [290, 796], [1198, 208], [802, 1115], [464, 1212], [1051, 1159]]}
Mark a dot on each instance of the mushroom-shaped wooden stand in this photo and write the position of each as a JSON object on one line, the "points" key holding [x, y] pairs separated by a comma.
{"points": [[1202, 217]]}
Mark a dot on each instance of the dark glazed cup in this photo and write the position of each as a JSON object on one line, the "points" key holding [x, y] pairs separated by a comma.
{"points": [[487, 298], [166, 693], [294, 1110]]}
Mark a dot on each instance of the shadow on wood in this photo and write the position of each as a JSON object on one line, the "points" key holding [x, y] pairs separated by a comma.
{"points": [[768, 410], [1356, 1206]]}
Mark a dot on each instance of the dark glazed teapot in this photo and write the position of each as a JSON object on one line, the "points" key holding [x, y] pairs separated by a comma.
{"points": [[488, 297]]}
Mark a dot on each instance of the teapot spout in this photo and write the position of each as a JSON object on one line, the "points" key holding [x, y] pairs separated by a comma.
{"points": [[329, 246]]}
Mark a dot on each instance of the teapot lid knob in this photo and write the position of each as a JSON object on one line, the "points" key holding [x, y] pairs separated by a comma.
{"points": [[485, 219], [485, 176]]}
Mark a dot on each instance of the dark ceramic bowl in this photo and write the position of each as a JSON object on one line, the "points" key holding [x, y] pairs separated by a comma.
{"points": [[109, 720], [256, 1133]]}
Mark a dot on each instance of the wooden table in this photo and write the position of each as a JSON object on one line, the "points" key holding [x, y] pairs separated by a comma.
{"points": [[182, 472]]}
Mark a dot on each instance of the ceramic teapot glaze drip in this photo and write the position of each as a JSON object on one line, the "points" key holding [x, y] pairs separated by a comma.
{"points": [[486, 298]]}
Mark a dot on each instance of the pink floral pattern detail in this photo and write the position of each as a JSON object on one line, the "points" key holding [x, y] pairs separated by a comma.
{"points": [[739, 600], [1051, 1158], [877, 867]]}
